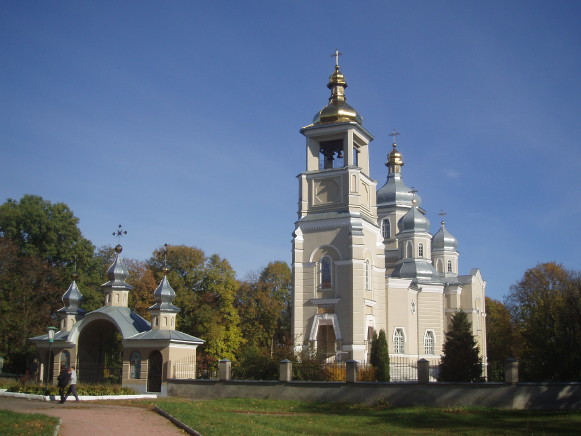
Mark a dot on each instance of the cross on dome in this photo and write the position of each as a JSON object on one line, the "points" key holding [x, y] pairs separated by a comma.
{"points": [[336, 56], [394, 133]]}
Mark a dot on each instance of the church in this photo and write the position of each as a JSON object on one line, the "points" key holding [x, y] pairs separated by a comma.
{"points": [[364, 258]]}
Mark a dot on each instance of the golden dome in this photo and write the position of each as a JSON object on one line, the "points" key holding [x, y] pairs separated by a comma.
{"points": [[394, 158], [337, 111]]}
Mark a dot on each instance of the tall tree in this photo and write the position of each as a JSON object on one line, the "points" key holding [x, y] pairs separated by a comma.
{"points": [[44, 230], [205, 291], [380, 356], [545, 308], [264, 305], [460, 360], [41, 245], [500, 341]]}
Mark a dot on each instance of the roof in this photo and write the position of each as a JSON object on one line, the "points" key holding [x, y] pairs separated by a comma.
{"points": [[167, 335]]}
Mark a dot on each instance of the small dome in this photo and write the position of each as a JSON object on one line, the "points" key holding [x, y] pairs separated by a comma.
{"points": [[414, 221], [443, 240], [164, 296], [337, 111], [396, 192]]}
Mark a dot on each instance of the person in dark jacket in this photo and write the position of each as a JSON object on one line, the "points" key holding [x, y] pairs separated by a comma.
{"points": [[63, 380]]}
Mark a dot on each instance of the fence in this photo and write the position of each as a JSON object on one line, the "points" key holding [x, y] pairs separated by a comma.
{"points": [[402, 369], [405, 369], [185, 368]]}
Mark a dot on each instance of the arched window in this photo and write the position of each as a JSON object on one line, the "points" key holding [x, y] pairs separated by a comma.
{"points": [[326, 272], [420, 250], [367, 275], [135, 362], [386, 228], [398, 341], [449, 266], [65, 359], [429, 342]]}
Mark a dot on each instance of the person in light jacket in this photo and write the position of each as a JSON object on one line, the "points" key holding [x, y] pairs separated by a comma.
{"points": [[73, 385]]}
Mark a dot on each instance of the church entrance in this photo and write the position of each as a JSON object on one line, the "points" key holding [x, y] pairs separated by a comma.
{"points": [[155, 365], [100, 358], [326, 341]]}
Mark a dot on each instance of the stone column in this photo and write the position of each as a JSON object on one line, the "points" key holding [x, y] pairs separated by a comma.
{"points": [[225, 367], [511, 371], [351, 371], [286, 371], [423, 371]]}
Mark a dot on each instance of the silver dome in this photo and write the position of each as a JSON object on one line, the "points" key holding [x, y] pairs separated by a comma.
{"points": [[396, 193], [443, 240], [414, 221]]}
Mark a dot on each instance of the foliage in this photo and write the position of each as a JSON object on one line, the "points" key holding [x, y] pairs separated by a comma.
{"points": [[380, 356], [545, 306], [40, 244], [113, 362], [273, 417], [205, 291], [460, 360], [44, 230], [264, 307], [144, 285], [255, 364], [82, 389], [500, 340], [16, 423]]}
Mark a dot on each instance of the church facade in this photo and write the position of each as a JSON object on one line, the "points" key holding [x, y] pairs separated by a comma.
{"points": [[364, 258]]}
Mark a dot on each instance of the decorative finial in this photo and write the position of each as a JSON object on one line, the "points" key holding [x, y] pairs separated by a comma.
{"points": [[336, 56], [394, 133], [413, 192], [442, 214], [165, 268], [75, 274], [119, 233]]}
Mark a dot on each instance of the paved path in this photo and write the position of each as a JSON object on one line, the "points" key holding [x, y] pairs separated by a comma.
{"points": [[87, 418]]}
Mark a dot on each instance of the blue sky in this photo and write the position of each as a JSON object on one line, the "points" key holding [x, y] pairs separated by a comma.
{"points": [[180, 119]]}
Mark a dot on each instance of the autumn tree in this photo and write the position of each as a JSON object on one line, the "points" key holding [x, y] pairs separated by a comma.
{"points": [[545, 308], [264, 304], [460, 359], [205, 291], [501, 338]]}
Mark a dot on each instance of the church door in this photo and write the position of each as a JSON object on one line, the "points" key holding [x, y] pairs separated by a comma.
{"points": [[155, 365]]}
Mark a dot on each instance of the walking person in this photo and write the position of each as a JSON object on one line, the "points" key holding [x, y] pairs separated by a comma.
{"points": [[63, 381], [73, 384]]}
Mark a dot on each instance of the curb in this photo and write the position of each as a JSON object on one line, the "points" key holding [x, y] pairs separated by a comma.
{"points": [[57, 428], [81, 397], [177, 422]]}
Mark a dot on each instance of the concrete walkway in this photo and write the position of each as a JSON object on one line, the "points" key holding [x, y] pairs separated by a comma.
{"points": [[86, 418]]}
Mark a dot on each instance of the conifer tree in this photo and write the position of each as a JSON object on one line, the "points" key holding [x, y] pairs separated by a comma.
{"points": [[460, 361], [380, 356]]}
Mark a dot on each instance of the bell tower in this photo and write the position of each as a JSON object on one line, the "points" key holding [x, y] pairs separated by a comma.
{"points": [[338, 255]]}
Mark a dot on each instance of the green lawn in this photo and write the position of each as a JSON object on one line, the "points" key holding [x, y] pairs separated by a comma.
{"points": [[13, 423], [271, 417]]}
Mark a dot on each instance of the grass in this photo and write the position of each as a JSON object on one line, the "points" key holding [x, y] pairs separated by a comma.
{"points": [[273, 417], [14, 423]]}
